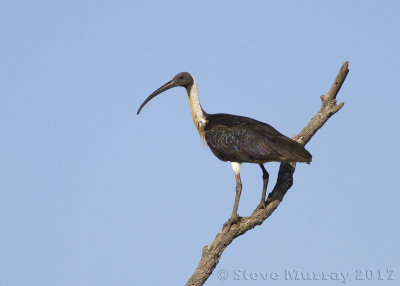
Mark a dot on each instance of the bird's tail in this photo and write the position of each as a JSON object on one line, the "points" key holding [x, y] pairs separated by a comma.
{"points": [[303, 154], [295, 151]]}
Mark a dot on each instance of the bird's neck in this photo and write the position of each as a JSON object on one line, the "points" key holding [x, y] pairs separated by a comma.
{"points": [[198, 114]]}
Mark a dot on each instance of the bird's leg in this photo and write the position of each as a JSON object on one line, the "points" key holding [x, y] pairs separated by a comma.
{"points": [[264, 191], [235, 218]]}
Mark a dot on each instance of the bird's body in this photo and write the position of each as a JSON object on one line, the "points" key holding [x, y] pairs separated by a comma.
{"points": [[242, 139], [237, 139]]}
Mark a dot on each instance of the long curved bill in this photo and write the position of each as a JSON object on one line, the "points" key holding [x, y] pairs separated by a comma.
{"points": [[165, 87]]}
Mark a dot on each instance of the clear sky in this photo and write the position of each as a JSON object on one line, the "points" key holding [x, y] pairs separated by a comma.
{"points": [[92, 194]]}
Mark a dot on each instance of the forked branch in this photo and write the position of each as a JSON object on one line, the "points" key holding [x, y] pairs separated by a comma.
{"points": [[212, 253]]}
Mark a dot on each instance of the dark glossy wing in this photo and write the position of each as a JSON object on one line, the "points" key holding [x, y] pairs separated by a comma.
{"points": [[242, 139]]}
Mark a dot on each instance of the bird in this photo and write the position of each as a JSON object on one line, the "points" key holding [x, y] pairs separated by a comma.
{"points": [[236, 139]]}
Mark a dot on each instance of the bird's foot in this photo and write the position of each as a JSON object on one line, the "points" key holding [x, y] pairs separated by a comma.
{"points": [[262, 205], [233, 220]]}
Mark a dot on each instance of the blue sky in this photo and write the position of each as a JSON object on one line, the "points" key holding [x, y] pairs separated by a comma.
{"points": [[92, 194]]}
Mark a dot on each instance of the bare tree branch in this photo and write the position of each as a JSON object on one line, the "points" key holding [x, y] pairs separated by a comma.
{"points": [[212, 253]]}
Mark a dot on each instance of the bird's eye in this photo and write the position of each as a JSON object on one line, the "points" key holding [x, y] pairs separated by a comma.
{"points": [[181, 77]]}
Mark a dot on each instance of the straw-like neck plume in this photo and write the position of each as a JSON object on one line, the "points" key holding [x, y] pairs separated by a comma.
{"points": [[198, 114]]}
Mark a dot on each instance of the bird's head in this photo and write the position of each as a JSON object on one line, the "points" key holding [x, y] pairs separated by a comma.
{"points": [[183, 79]]}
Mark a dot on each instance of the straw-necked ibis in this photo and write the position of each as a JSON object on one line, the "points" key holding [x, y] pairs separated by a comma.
{"points": [[237, 139]]}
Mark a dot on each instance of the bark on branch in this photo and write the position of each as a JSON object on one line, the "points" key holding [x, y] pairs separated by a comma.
{"points": [[212, 253]]}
